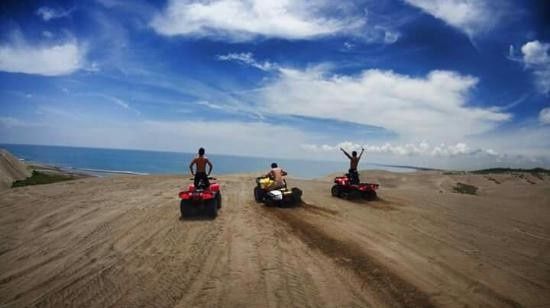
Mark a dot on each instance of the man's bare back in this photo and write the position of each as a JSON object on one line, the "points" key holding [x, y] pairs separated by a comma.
{"points": [[201, 162], [200, 174], [277, 175], [353, 162]]}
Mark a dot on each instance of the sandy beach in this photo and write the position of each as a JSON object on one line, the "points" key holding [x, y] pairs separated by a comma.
{"points": [[118, 241]]}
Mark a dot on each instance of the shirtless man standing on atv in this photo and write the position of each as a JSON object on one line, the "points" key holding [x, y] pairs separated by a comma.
{"points": [[353, 163], [276, 174], [201, 161]]}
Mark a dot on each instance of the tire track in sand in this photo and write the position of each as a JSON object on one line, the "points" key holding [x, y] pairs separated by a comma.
{"points": [[389, 287]]}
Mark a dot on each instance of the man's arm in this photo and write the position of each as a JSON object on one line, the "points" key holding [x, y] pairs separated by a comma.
{"points": [[284, 173], [362, 151], [345, 153], [191, 167], [210, 166]]}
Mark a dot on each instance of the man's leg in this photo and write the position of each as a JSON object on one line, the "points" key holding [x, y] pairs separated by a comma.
{"points": [[353, 176], [206, 181], [196, 180]]}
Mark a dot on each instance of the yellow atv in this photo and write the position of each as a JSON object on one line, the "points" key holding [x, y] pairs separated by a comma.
{"points": [[282, 196]]}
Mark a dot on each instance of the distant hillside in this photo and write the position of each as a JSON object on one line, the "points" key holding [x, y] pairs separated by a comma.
{"points": [[11, 169], [510, 170]]}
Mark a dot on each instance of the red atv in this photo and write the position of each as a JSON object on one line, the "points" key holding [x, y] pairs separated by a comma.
{"points": [[344, 189], [201, 198]]}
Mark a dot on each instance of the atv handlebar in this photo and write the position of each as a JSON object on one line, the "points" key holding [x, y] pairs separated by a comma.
{"points": [[210, 178]]}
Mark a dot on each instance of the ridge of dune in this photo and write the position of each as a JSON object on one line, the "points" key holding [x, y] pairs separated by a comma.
{"points": [[11, 169]]}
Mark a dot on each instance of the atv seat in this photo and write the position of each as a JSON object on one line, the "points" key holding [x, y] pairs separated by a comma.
{"points": [[353, 179], [276, 187], [202, 185]]}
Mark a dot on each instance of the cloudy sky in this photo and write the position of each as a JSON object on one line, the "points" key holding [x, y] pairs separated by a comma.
{"points": [[434, 83]]}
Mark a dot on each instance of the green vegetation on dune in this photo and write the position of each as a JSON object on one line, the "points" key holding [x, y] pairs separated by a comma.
{"points": [[510, 170], [537, 172], [38, 178], [465, 189]]}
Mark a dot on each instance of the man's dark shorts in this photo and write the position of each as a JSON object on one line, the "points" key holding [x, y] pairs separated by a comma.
{"points": [[201, 176], [353, 176]]}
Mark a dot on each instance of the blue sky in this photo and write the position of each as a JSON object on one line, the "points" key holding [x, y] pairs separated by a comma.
{"points": [[449, 84]]}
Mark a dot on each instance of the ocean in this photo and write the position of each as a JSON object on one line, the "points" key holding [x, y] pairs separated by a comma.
{"points": [[103, 162]]}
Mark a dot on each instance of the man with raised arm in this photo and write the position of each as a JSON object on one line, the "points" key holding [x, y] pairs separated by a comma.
{"points": [[353, 163], [200, 174]]}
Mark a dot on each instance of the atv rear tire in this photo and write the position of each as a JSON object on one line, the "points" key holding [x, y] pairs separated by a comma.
{"points": [[258, 194], [297, 195], [185, 209], [335, 191], [270, 202], [212, 208]]}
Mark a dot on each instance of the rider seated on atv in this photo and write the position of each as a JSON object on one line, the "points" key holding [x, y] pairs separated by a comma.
{"points": [[353, 163], [276, 174], [200, 175]]}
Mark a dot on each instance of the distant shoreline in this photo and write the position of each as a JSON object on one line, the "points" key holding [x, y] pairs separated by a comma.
{"points": [[105, 162], [91, 172]]}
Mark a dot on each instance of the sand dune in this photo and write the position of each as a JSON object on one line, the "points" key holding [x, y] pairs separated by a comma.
{"points": [[11, 169], [117, 241]]}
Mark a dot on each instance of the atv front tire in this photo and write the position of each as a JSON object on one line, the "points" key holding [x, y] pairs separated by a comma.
{"points": [[219, 200], [335, 191]]}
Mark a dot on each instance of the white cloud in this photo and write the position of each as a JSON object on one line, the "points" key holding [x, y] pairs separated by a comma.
{"points": [[511, 52], [56, 113], [435, 107], [536, 57], [248, 59], [391, 37], [257, 138], [210, 105], [10, 122], [529, 139], [408, 149], [348, 46], [231, 137], [120, 102], [112, 99], [535, 53], [48, 13], [54, 60], [470, 16], [244, 20], [227, 137], [544, 116]]}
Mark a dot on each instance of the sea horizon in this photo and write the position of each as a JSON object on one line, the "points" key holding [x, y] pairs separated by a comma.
{"points": [[105, 161]]}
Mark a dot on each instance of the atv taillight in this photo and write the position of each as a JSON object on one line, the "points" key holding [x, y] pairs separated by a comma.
{"points": [[185, 195], [207, 195]]}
